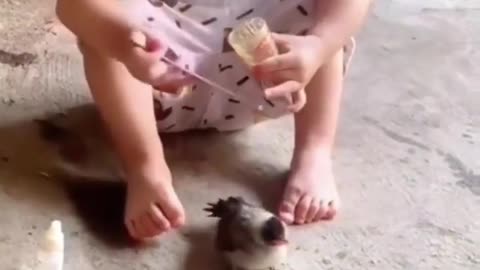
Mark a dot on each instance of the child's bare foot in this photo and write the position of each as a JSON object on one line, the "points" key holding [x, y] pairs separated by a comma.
{"points": [[152, 204], [311, 193]]}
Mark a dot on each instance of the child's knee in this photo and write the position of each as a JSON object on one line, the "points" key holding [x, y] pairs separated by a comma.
{"points": [[82, 47], [86, 50]]}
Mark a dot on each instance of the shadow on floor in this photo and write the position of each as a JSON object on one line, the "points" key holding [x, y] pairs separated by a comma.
{"points": [[23, 170], [202, 254], [228, 161], [101, 204], [27, 174]]}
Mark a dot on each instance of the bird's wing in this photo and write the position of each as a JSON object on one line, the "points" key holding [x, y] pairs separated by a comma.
{"points": [[233, 234], [224, 240]]}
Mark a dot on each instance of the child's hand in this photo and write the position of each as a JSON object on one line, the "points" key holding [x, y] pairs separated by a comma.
{"points": [[143, 62], [299, 59]]}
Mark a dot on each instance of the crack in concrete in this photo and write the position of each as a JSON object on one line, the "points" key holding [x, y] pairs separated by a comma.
{"points": [[428, 225], [468, 178], [395, 136]]}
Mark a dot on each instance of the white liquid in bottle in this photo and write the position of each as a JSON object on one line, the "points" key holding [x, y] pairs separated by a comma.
{"points": [[50, 255]]}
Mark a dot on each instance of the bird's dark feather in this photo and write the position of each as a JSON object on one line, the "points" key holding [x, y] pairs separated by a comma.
{"points": [[224, 208], [229, 226]]}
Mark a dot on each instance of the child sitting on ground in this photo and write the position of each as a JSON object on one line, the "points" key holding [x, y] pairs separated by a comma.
{"points": [[124, 79]]}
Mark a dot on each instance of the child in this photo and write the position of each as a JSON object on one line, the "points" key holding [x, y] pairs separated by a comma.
{"points": [[121, 77]]}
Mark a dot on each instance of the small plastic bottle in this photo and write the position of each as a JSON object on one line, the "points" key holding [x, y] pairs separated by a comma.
{"points": [[252, 41], [50, 255]]}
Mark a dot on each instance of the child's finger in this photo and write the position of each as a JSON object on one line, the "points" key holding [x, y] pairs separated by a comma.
{"points": [[171, 83], [155, 45], [145, 66], [147, 41], [277, 77], [156, 71], [283, 89], [282, 41], [299, 99], [275, 63], [153, 74]]}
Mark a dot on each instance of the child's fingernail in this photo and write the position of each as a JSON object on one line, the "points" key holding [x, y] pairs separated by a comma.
{"points": [[139, 39]]}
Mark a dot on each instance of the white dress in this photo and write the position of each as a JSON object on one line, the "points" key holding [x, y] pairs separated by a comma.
{"points": [[196, 33]]}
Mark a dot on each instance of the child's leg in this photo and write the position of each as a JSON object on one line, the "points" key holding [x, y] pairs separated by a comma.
{"points": [[126, 106], [311, 192]]}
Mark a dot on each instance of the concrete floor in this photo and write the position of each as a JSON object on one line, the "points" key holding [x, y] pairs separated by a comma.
{"points": [[407, 165]]}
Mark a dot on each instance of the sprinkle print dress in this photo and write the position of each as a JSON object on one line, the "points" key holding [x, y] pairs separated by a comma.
{"points": [[196, 32]]}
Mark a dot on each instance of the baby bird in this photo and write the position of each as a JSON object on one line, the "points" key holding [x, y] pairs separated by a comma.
{"points": [[249, 237]]}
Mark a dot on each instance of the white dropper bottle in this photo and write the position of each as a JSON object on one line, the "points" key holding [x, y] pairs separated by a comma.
{"points": [[50, 255]]}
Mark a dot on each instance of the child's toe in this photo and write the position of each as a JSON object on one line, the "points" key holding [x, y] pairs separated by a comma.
{"points": [[131, 229], [139, 228], [159, 219], [313, 210], [302, 208], [288, 205], [172, 208], [326, 211], [149, 227], [286, 212], [332, 210]]}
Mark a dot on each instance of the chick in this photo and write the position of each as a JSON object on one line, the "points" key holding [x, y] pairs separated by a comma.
{"points": [[249, 237]]}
